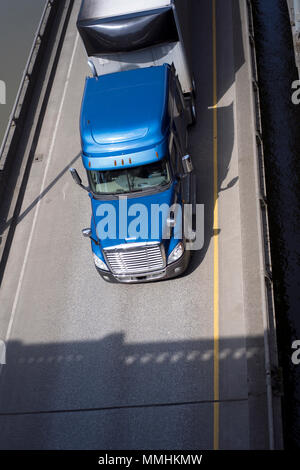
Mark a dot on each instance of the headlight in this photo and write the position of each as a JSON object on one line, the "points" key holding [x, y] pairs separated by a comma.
{"points": [[99, 263], [176, 253]]}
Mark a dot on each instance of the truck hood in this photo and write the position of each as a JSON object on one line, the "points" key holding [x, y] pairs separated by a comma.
{"points": [[110, 216]]}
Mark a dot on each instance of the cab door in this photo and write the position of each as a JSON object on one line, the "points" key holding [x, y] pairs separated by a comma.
{"points": [[179, 117]]}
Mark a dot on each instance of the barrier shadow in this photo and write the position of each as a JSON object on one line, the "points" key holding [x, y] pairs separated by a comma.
{"points": [[110, 394]]}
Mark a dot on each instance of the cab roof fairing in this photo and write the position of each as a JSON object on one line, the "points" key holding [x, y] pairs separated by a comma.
{"points": [[123, 113], [129, 160]]}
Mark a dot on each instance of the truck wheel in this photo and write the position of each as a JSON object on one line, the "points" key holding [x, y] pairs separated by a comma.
{"points": [[189, 228], [193, 113], [190, 109], [194, 88]]}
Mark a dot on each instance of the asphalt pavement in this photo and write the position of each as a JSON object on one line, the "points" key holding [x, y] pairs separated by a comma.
{"points": [[92, 365]]}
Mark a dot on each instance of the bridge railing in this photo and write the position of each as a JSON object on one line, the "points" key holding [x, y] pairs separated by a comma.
{"points": [[272, 369], [294, 12], [297, 15], [24, 84]]}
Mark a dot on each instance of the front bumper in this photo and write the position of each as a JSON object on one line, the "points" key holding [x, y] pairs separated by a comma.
{"points": [[172, 270]]}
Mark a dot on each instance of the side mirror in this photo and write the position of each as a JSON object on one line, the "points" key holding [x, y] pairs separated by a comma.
{"points": [[86, 232], [171, 222], [187, 164], [75, 176]]}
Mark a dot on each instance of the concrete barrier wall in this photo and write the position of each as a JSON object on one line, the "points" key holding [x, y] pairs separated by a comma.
{"points": [[294, 11], [30, 76]]}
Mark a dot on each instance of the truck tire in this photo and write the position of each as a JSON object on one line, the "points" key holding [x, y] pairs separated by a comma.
{"points": [[191, 109], [194, 88]]}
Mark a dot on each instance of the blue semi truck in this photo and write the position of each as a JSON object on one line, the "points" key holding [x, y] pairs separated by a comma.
{"points": [[134, 135]]}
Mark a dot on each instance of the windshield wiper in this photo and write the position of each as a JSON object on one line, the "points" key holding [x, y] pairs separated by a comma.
{"points": [[129, 186]]}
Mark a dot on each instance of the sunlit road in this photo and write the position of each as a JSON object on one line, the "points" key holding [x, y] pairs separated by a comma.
{"points": [[175, 364]]}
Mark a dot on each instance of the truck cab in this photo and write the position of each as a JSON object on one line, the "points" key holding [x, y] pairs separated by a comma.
{"points": [[133, 129]]}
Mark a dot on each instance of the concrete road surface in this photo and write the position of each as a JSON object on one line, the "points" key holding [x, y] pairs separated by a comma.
{"points": [[92, 365]]}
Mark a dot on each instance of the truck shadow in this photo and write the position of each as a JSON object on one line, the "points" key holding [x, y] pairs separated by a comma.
{"points": [[205, 175], [201, 135]]}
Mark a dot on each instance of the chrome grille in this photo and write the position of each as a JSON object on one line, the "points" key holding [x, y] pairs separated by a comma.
{"points": [[135, 258]]}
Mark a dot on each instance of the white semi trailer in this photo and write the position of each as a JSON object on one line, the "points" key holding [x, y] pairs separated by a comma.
{"points": [[125, 34]]}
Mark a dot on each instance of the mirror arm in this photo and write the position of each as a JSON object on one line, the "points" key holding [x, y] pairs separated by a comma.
{"points": [[77, 179], [87, 232], [95, 241], [86, 188]]}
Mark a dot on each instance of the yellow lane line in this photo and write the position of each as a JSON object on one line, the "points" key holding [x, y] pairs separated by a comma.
{"points": [[216, 235]]}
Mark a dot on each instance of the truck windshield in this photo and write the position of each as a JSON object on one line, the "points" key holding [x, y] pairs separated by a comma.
{"points": [[127, 180]]}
